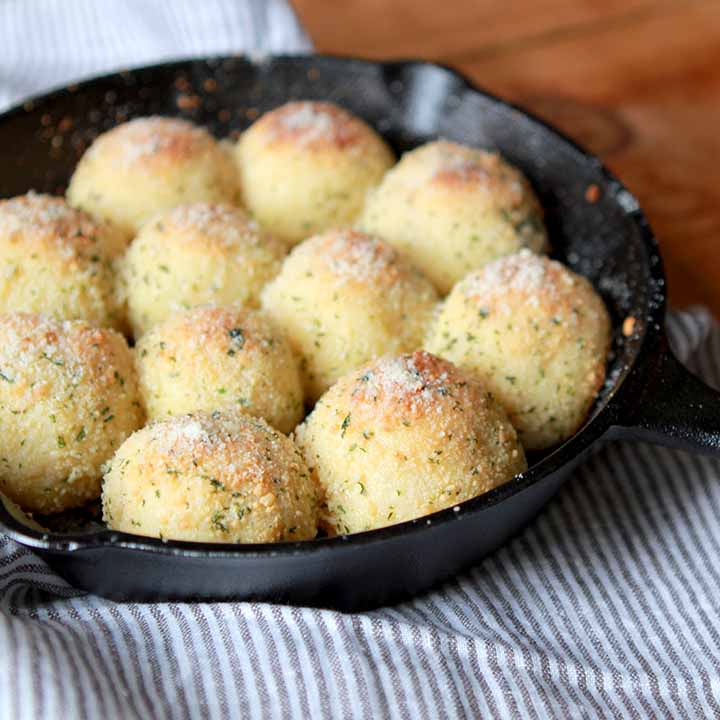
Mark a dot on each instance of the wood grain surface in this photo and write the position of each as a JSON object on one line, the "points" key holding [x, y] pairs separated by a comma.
{"points": [[637, 81]]}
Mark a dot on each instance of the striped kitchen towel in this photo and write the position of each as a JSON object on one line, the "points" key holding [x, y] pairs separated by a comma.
{"points": [[50, 43], [608, 605]]}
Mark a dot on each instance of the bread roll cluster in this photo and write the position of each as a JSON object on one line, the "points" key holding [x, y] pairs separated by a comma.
{"points": [[291, 361]]}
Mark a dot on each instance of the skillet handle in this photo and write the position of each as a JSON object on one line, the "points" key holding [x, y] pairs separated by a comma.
{"points": [[672, 407]]}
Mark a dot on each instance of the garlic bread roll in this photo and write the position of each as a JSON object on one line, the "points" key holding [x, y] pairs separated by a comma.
{"points": [[306, 167], [211, 477]]}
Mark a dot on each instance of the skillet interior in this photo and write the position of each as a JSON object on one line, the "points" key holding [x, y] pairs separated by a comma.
{"points": [[409, 103]]}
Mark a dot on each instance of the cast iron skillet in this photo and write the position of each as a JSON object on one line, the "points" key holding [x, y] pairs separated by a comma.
{"points": [[649, 395]]}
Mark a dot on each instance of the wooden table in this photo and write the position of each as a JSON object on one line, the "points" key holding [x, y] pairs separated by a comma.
{"points": [[636, 81]]}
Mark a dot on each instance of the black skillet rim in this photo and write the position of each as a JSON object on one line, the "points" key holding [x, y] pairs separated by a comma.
{"points": [[591, 432]]}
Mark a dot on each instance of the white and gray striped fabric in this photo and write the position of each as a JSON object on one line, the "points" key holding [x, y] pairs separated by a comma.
{"points": [[607, 606], [48, 43]]}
